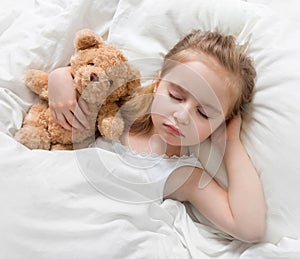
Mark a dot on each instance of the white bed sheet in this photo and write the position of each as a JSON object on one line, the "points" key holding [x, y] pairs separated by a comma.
{"points": [[49, 209]]}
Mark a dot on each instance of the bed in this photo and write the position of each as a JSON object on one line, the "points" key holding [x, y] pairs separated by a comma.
{"points": [[50, 206]]}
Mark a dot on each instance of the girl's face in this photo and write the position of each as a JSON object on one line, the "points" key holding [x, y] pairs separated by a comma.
{"points": [[190, 102]]}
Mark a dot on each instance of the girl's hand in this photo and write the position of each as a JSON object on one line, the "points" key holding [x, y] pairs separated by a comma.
{"points": [[64, 107], [223, 135], [233, 128]]}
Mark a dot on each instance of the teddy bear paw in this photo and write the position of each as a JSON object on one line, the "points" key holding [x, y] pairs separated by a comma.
{"points": [[33, 137], [112, 127]]}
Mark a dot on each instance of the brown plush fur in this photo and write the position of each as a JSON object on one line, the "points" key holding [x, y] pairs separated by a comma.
{"points": [[103, 78]]}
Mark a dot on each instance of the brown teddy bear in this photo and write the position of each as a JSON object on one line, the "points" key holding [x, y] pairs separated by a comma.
{"points": [[103, 78]]}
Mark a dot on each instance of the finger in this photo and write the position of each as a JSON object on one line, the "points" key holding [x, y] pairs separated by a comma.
{"points": [[53, 114], [60, 118], [81, 117], [83, 106], [71, 119]]}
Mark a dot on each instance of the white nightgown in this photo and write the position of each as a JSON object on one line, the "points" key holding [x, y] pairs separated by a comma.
{"points": [[140, 177]]}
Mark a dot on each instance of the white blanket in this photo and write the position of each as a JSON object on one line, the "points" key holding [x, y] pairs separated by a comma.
{"points": [[50, 209]]}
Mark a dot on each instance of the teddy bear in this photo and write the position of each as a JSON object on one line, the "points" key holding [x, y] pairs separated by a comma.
{"points": [[102, 77]]}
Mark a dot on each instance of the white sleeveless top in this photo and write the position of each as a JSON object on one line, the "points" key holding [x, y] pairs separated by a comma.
{"points": [[140, 177]]}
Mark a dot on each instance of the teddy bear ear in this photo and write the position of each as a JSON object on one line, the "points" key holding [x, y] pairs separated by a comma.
{"points": [[86, 39]]}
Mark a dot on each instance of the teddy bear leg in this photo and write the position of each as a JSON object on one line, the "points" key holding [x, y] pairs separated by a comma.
{"points": [[61, 147], [37, 81], [84, 143], [112, 126], [33, 133], [33, 137]]}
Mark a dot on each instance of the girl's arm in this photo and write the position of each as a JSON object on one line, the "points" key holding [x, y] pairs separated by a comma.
{"points": [[245, 192], [65, 107], [241, 210]]}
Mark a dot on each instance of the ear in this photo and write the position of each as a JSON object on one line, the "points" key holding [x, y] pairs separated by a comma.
{"points": [[156, 83], [86, 39]]}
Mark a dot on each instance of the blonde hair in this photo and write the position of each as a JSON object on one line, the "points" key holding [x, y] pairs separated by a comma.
{"points": [[224, 49]]}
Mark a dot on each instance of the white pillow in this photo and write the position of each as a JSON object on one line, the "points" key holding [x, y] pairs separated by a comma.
{"points": [[145, 30], [39, 34]]}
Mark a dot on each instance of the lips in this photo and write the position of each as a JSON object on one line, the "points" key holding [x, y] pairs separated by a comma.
{"points": [[172, 129]]}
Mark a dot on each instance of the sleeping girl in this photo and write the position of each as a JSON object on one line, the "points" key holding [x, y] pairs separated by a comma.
{"points": [[205, 83]]}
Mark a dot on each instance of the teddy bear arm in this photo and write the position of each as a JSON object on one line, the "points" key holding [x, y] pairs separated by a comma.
{"points": [[37, 81], [34, 132], [110, 121]]}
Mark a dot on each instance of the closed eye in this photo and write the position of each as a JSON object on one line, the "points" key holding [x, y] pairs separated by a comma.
{"points": [[204, 115], [175, 97]]}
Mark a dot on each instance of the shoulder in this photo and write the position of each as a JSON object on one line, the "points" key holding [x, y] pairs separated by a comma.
{"points": [[182, 180]]}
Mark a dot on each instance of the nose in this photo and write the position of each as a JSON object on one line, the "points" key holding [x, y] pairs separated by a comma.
{"points": [[94, 77], [182, 117]]}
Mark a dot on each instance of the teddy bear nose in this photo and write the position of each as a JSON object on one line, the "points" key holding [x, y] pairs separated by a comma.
{"points": [[94, 77]]}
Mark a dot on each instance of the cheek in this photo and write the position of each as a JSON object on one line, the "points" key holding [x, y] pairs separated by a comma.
{"points": [[155, 119], [198, 131], [161, 105], [155, 105]]}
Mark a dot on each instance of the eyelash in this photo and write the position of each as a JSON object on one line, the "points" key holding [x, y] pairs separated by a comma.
{"points": [[175, 97], [180, 99], [203, 114]]}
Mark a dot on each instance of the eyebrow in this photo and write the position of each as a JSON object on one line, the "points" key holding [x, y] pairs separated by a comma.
{"points": [[203, 104]]}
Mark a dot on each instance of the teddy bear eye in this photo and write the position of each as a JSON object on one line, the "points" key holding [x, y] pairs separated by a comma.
{"points": [[110, 82], [91, 64]]}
